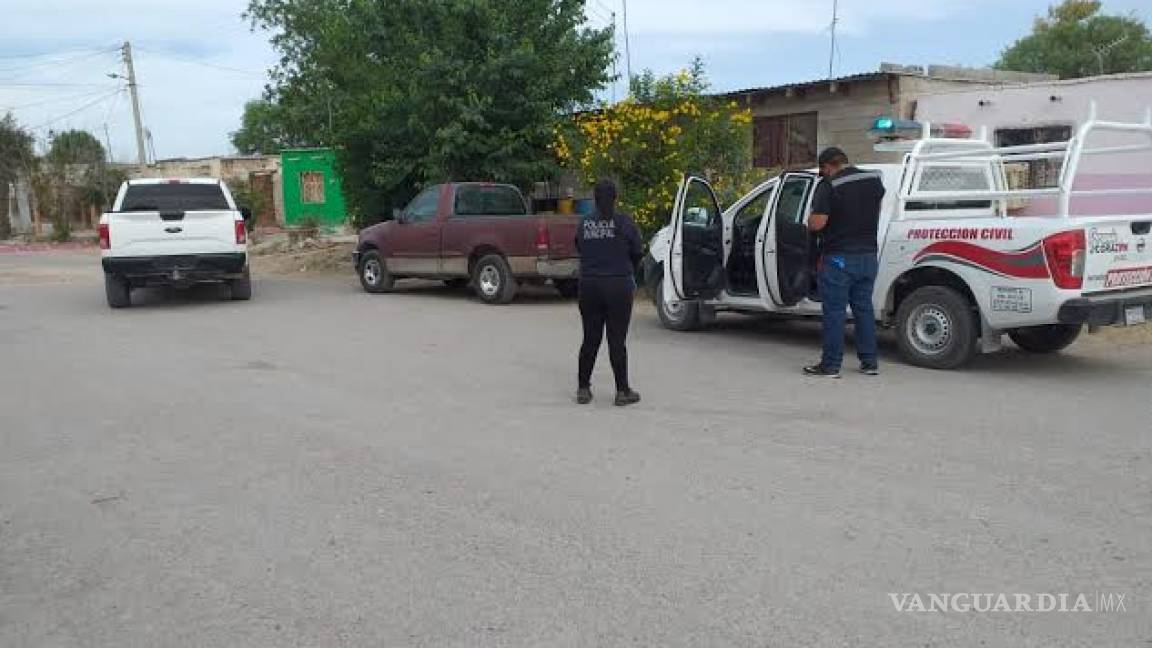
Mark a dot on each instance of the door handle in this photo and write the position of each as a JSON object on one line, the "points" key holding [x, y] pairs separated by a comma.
{"points": [[173, 230]]}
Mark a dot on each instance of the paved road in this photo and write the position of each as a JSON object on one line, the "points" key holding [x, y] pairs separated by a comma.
{"points": [[322, 467]]}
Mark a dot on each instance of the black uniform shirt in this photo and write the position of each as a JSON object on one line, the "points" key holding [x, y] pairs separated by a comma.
{"points": [[609, 247], [851, 199]]}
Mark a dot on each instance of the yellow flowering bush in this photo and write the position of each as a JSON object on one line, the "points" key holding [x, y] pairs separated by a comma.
{"points": [[666, 128]]}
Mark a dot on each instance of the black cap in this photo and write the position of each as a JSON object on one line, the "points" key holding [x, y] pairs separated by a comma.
{"points": [[830, 155]]}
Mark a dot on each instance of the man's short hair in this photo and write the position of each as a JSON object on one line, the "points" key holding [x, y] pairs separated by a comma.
{"points": [[832, 155]]}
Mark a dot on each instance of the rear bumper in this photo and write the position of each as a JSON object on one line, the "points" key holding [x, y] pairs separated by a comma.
{"points": [[558, 268], [1106, 311], [183, 268]]}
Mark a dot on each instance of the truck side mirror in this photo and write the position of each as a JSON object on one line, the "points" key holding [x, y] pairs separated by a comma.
{"points": [[397, 215], [246, 213]]}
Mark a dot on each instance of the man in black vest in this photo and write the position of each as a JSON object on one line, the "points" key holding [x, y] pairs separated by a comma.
{"points": [[846, 213]]}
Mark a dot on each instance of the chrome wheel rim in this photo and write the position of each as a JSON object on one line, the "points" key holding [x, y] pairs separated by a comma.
{"points": [[372, 272], [489, 281], [929, 329]]}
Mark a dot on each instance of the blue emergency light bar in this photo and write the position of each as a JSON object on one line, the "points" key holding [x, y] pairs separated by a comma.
{"points": [[890, 128]]}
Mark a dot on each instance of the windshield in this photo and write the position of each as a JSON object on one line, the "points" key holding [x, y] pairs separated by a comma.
{"points": [[174, 197]]}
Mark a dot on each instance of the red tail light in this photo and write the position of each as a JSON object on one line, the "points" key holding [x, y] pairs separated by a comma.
{"points": [[105, 238], [241, 233], [1065, 253], [542, 239]]}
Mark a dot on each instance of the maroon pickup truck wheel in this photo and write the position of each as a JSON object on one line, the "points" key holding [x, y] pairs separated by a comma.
{"points": [[493, 280]]}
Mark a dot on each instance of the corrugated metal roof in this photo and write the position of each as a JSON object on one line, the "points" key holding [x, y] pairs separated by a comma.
{"points": [[863, 76]]}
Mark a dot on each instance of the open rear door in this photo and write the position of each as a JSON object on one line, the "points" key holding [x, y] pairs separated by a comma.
{"points": [[786, 251], [696, 256]]}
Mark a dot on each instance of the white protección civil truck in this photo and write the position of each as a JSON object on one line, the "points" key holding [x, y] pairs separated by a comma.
{"points": [[174, 232], [964, 259]]}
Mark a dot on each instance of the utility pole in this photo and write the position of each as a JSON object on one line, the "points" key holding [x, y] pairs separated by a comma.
{"points": [[615, 74], [141, 153], [627, 49], [832, 47]]}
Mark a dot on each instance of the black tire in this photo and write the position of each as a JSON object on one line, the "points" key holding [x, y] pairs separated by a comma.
{"points": [[684, 316], [373, 272], [240, 289], [456, 283], [493, 280], [1046, 339], [936, 328], [117, 290], [568, 288]]}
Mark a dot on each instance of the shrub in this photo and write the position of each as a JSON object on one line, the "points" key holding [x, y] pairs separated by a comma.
{"points": [[648, 142]]}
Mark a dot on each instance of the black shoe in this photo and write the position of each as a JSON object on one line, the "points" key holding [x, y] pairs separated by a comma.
{"points": [[583, 395], [870, 370], [819, 371], [627, 397]]}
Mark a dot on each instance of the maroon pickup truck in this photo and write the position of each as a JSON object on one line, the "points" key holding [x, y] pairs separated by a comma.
{"points": [[470, 232]]}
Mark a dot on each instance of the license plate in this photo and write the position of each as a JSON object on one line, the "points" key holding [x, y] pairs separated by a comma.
{"points": [[1134, 315]]}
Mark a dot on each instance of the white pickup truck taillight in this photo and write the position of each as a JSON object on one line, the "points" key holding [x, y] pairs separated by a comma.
{"points": [[105, 237], [1065, 253], [241, 233]]}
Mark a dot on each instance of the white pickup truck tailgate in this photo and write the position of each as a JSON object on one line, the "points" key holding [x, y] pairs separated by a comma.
{"points": [[171, 233], [1119, 255]]}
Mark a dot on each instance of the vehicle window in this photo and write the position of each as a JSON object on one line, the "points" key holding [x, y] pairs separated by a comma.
{"points": [[790, 206], [489, 200], [951, 177], [424, 206], [174, 196], [700, 209], [750, 214]]}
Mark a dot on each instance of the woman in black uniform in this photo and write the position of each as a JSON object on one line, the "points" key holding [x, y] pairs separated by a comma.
{"points": [[610, 249]]}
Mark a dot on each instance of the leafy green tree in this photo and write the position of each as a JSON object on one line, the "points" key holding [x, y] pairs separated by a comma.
{"points": [[265, 130], [15, 157], [1076, 40], [412, 92], [75, 147]]}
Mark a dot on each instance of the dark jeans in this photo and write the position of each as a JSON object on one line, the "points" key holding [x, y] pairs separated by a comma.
{"points": [[605, 303], [848, 279]]}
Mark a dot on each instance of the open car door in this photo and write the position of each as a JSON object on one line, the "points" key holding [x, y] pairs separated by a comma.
{"points": [[696, 255], [787, 261]]}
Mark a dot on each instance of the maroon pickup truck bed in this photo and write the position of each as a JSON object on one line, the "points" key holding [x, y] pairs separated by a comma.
{"points": [[477, 232]]}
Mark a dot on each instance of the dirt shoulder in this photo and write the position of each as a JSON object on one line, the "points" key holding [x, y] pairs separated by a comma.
{"points": [[279, 256]]}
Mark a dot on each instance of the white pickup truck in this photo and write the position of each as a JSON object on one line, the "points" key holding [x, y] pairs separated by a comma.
{"points": [[963, 258], [174, 232]]}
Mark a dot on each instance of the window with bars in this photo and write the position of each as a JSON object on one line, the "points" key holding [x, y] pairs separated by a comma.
{"points": [[312, 187], [784, 141]]}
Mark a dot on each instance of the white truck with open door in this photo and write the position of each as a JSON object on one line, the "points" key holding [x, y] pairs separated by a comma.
{"points": [[962, 262]]}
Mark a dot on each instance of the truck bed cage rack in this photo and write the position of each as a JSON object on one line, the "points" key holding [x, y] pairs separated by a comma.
{"points": [[979, 151]]}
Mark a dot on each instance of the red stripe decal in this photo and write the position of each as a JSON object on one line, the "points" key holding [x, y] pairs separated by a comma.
{"points": [[1025, 264]]}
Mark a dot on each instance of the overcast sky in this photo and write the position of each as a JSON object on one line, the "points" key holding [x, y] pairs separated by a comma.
{"points": [[197, 61]]}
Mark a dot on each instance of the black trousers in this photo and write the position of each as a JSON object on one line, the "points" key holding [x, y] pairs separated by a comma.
{"points": [[605, 303]]}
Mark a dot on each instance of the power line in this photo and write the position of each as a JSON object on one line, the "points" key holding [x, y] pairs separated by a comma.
{"points": [[78, 110], [5, 84], [181, 59], [55, 62], [83, 95], [43, 54]]}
